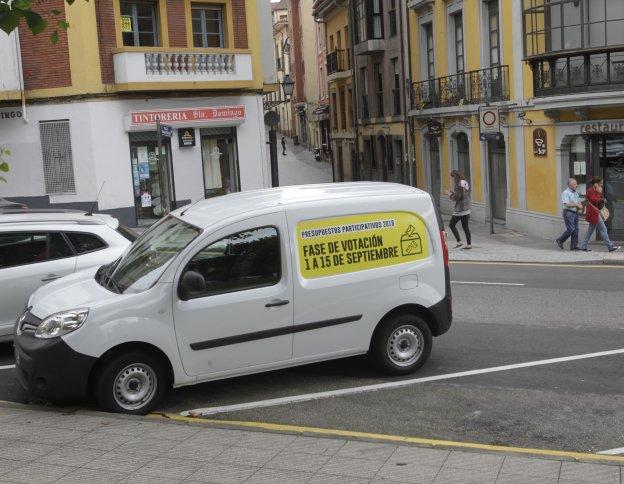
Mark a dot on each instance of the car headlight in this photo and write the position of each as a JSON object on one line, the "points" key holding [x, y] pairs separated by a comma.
{"points": [[62, 323]]}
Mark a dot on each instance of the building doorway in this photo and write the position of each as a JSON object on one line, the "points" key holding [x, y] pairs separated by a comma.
{"points": [[498, 178], [219, 161], [434, 169], [611, 157]]}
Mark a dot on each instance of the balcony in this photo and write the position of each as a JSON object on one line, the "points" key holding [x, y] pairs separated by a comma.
{"points": [[338, 65], [579, 72], [473, 87], [195, 67]]}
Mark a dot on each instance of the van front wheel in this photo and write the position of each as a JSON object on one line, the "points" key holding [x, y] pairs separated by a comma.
{"points": [[132, 383], [402, 345]]}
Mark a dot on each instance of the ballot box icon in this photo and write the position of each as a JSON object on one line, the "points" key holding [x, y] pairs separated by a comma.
{"points": [[410, 242]]}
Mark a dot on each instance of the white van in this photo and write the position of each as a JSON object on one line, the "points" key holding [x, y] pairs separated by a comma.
{"points": [[240, 284]]}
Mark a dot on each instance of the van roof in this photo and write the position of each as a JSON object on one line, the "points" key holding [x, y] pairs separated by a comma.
{"points": [[206, 212]]}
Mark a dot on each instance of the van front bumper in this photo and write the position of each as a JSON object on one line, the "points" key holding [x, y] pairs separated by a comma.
{"points": [[51, 369]]}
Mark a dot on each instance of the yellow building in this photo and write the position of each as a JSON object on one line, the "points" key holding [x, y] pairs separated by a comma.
{"points": [[282, 42], [553, 72]]}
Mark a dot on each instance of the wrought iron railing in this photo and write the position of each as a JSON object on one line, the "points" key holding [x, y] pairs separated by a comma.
{"points": [[472, 87], [602, 71], [338, 61]]}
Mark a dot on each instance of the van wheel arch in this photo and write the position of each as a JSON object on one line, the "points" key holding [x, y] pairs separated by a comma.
{"points": [[127, 348], [407, 309]]}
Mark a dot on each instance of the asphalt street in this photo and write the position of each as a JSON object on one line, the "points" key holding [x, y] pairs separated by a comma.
{"points": [[504, 314]]}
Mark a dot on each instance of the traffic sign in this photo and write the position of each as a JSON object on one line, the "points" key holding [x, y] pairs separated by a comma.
{"points": [[166, 130], [489, 121]]}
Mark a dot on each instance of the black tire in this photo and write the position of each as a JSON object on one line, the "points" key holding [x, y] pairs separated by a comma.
{"points": [[404, 330], [144, 374]]}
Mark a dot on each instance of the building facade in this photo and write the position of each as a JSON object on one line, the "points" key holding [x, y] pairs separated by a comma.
{"points": [[551, 70], [80, 116], [282, 44]]}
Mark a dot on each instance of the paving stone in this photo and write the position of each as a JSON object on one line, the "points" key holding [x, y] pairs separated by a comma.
{"points": [[193, 451], [218, 437], [133, 478], [313, 445], [524, 479], [594, 473], [70, 456], [170, 468], [7, 465], [411, 472], [297, 461], [450, 475], [144, 445], [332, 479], [272, 476], [474, 461], [37, 472], [419, 455], [526, 466], [246, 455], [263, 440], [216, 472], [119, 462], [180, 433], [92, 476], [367, 450], [102, 441], [44, 435], [349, 467], [24, 451]]}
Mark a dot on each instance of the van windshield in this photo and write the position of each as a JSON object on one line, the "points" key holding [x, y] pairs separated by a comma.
{"points": [[146, 259]]}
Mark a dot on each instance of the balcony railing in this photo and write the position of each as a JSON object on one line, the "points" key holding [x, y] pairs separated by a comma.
{"points": [[338, 61], [473, 87], [578, 73], [171, 66]]}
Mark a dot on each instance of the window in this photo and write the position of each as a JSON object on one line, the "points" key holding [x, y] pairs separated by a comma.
{"points": [[430, 53], [463, 155], [56, 152], [208, 25], [20, 248], [334, 108], [369, 20], [243, 261], [397, 158], [392, 18], [396, 86], [139, 24], [364, 86], [343, 109], [378, 80], [493, 36], [377, 14], [458, 29], [84, 243], [220, 161]]}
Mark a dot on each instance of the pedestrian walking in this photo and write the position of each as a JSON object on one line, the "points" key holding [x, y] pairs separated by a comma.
{"points": [[594, 217], [572, 206], [461, 196], [283, 146]]}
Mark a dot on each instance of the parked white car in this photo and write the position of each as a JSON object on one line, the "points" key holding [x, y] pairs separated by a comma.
{"points": [[38, 246]]}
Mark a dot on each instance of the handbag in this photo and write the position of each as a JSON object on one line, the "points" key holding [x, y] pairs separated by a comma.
{"points": [[604, 213]]}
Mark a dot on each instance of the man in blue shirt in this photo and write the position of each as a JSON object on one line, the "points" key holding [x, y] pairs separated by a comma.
{"points": [[572, 206]]}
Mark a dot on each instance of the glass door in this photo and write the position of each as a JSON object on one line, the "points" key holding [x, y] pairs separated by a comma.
{"points": [[498, 165], [220, 161], [612, 162]]}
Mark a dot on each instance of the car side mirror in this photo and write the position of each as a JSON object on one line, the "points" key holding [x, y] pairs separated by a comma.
{"points": [[191, 282]]}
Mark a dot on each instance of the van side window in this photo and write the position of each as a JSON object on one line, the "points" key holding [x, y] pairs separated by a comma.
{"points": [[246, 260]]}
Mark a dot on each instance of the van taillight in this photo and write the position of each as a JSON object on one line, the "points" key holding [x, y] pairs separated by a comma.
{"points": [[444, 247]]}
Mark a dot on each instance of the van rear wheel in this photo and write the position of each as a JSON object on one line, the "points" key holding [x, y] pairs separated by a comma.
{"points": [[133, 383], [402, 345]]}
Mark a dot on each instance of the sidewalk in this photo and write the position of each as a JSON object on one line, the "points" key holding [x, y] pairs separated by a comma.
{"points": [[299, 167], [509, 246], [41, 445]]}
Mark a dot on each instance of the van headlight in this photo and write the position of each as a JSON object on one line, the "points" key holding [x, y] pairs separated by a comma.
{"points": [[62, 323]]}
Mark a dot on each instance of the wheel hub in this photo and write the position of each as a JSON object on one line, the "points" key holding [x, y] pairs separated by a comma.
{"points": [[405, 345], [134, 386]]}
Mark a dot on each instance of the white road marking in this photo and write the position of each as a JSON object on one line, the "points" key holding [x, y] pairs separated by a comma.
{"points": [[618, 451], [386, 386], [478, 283], [7, 367]]}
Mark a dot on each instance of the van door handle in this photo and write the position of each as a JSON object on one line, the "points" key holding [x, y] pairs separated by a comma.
{"points": [[277, 302], [51, 277]]}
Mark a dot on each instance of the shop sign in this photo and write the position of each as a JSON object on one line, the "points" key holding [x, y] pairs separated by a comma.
{"points": [[186, 137], [489, 122], [603, 127], [14, 113], [540, 141], [186, 115], [166, 130], [434, 129]]}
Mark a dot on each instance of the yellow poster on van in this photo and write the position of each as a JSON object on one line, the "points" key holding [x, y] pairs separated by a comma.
{"points": [[339, 245]]}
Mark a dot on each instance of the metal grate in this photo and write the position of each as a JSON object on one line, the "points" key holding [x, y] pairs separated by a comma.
{"points": [[56, 151]]}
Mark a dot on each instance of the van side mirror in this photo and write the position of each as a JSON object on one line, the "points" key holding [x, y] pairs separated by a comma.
{"points": [[191, 282]]}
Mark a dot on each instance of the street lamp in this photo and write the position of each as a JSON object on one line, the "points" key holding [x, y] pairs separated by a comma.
{"points": [[271, 119]]}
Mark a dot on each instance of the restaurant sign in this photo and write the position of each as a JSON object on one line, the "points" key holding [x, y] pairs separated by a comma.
{"points": [[604, 127], [188, 115]]}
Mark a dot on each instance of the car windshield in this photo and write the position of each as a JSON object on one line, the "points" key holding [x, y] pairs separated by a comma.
{"points": [[147, 258]]}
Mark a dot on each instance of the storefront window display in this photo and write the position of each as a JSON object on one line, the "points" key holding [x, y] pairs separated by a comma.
{"points": [[220, 161]]}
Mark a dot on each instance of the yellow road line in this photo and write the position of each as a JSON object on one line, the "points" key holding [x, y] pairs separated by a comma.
{"points": [[598, 265], [395, 438]]}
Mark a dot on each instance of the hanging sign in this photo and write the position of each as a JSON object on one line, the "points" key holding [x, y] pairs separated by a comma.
{"points": [[489, 122], [540, 141], [186, 137], [434, 129]]}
